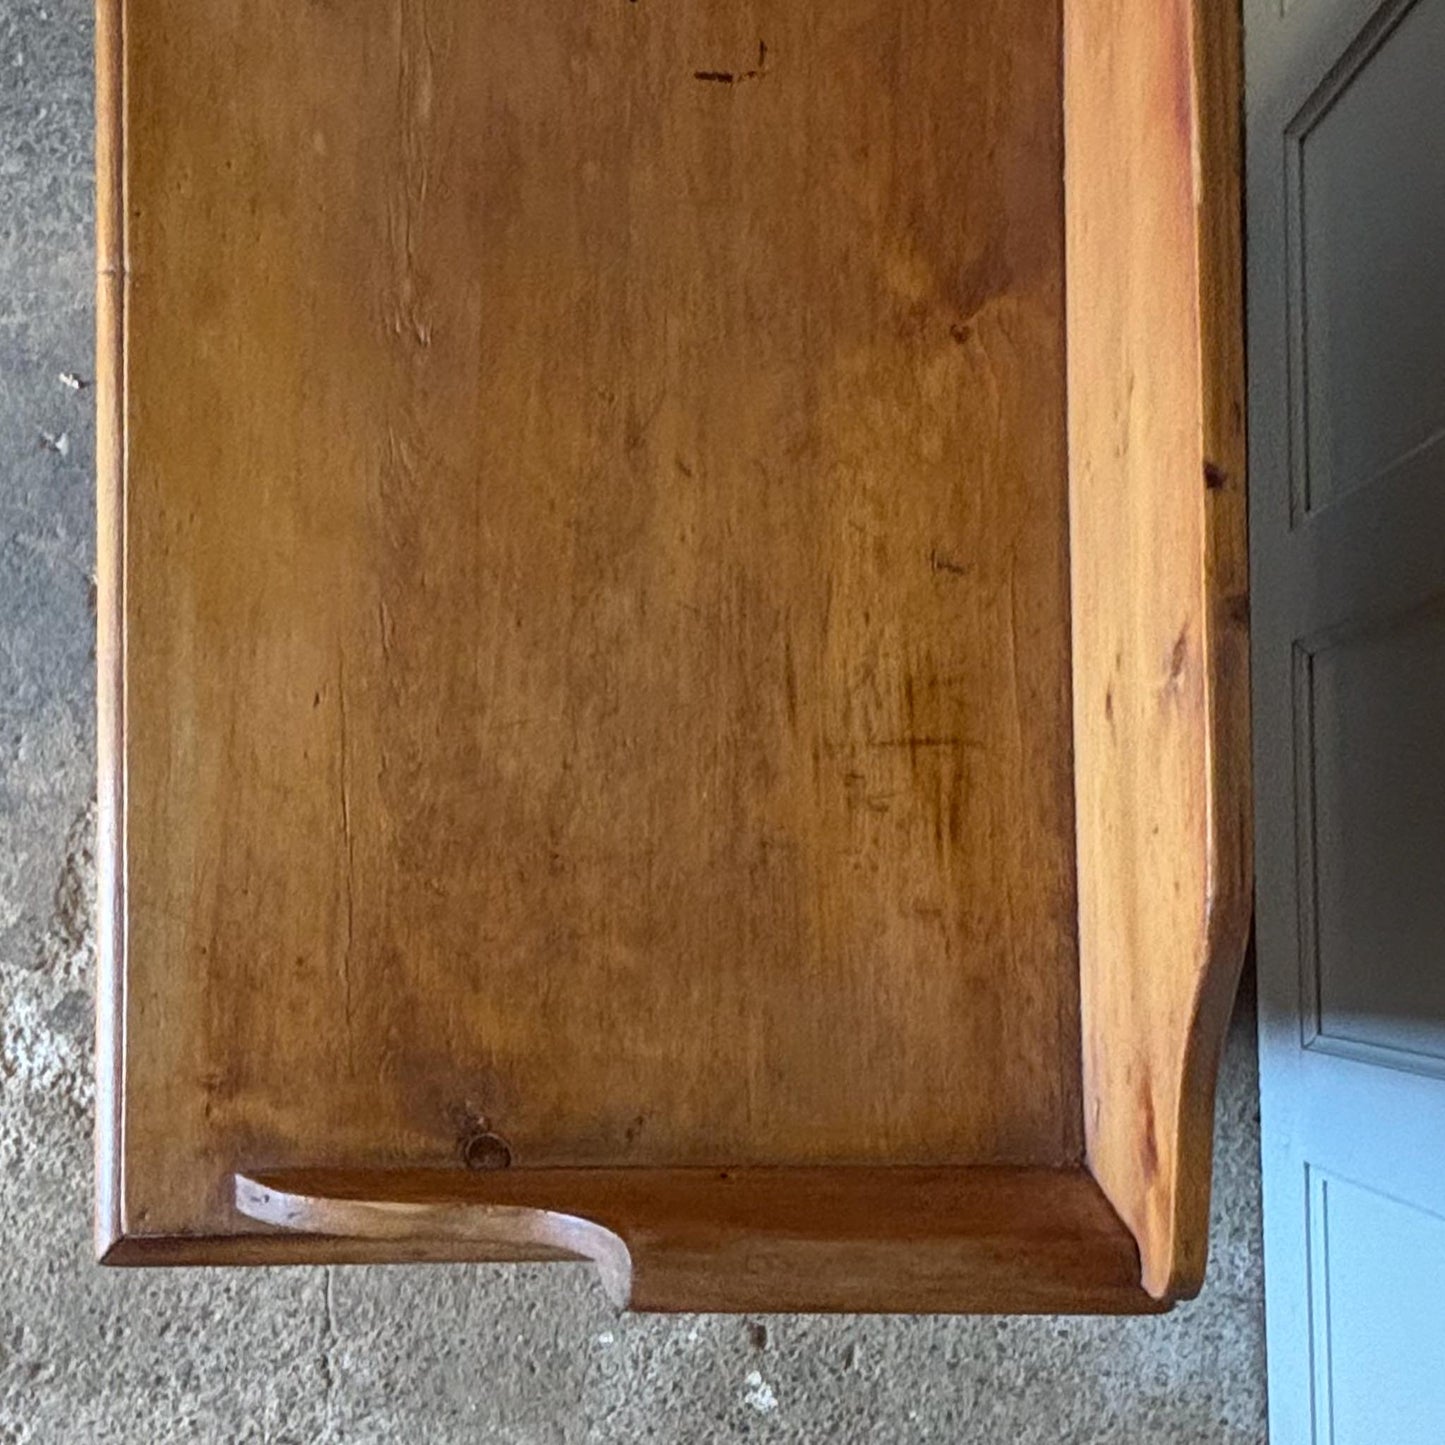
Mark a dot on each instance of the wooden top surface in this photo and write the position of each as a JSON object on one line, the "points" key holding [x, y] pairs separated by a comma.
{"points": [[584, 555]]}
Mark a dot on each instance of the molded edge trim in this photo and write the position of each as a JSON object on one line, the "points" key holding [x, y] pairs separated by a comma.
{"points": [[111, 259], [806, 1239]]}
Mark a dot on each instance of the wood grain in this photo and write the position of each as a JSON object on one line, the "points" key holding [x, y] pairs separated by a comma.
{"points": [[983, 1240], [586, 511], [594, 590], [1160, 613]]}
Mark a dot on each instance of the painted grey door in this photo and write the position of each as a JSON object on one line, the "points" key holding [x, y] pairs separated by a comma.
{"points": [[1346, 203]]}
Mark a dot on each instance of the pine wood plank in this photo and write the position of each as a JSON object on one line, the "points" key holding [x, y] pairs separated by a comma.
{"points": [[1160, 598]]}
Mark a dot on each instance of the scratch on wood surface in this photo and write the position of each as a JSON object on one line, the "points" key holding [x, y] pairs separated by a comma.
{"points": [[384, 628], [925, 741], [1015, 679], [415, 103], [349, 840], [790, 681], [398, 452]]}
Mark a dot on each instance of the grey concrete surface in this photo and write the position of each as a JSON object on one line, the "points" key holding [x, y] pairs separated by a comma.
{"points": [[431, 1355]]}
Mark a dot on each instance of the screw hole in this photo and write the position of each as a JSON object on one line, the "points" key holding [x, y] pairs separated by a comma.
{"points": [[486, 1151]]}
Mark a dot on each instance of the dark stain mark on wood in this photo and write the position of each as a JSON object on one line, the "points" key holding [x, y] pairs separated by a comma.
{"points": [[1178, 657], [1215, 477], [942, 562], [1149, 1135], [955, 808], [988, 276], [737, 77]]}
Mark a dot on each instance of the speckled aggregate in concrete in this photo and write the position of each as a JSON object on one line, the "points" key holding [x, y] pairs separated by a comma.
{"points": [[412, 1355]]}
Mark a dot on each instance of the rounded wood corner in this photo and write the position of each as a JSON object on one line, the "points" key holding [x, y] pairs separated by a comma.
{"points": [[453, 1228], [1181, 1276]]}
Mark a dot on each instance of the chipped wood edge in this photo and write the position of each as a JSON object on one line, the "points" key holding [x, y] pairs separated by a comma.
{"points": [[520, 1231], [110, 618]]}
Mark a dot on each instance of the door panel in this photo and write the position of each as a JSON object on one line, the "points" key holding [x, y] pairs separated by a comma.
{"points": [[1377, 1276], [1366, 195], [1369, 713], [1346, 206]]}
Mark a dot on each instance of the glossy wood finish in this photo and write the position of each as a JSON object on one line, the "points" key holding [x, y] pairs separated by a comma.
{"points": [[586, 647], [1160, 598]]}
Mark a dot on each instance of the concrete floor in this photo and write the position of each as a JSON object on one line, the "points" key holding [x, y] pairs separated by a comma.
{"points": [[431, 1355]]}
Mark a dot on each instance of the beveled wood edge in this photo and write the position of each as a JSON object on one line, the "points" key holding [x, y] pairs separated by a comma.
{"points": [[1229, 904], [273, 1250], [262, 1249], [110, 618]]}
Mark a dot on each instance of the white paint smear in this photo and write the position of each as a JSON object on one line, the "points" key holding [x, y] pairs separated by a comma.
{"points": [[759, 1394]]}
